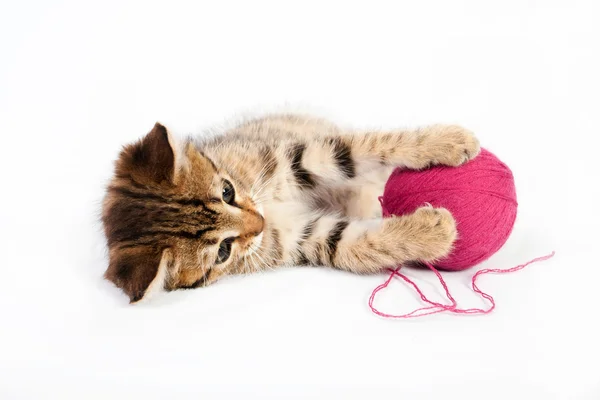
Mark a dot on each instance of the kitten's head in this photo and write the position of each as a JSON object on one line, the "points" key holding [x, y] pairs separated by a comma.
{"points": [[173, 219]]}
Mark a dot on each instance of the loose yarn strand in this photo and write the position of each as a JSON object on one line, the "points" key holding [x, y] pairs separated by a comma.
{"points": [[435, 307]]}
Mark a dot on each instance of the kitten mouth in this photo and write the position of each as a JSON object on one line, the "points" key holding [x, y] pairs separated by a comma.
{"points": [[256, 242]]}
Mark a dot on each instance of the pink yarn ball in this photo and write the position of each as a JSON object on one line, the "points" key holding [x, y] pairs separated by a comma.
{"points": [[480, 195]]}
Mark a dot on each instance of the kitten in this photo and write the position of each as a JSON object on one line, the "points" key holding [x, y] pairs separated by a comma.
{"points": [[281, 190]]}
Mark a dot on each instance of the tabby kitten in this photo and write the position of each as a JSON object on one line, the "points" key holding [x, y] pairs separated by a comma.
{"points": [[281, 190]]}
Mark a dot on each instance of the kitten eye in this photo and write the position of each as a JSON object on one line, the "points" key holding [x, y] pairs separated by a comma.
{"points": [[224, 251], [228, 192]]}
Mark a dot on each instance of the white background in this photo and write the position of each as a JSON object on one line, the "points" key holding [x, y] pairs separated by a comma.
{"points": [[78, 80]]}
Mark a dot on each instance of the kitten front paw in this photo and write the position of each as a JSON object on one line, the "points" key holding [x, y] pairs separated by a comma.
{"points": [[436, 232], [426, 235], [450, 145]]}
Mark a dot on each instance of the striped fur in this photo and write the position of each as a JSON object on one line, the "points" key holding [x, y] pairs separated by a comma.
{"points": [[306, 193]]}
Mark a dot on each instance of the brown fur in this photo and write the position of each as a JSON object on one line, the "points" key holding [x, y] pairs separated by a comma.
{"points": [[305, 193]]}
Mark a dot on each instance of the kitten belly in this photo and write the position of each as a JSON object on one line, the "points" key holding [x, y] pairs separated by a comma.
{"points": [[289, 218]]}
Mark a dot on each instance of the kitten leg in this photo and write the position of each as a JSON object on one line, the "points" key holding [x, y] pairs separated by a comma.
{"points": [[450, 145], [336, 159], [366, 246]]}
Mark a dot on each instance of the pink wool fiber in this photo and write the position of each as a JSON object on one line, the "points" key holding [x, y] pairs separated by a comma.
{"points": [[480, 195]]}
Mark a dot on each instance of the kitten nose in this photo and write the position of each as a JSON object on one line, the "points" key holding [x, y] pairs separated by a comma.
{"points": [[254, 224], [260, 225]]}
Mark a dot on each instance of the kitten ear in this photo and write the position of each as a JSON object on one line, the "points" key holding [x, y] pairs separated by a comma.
{"points": [[150, 160], [138, 270]]}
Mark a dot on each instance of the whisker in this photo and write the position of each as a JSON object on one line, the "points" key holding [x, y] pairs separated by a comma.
{"points": [[263, 262]]}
